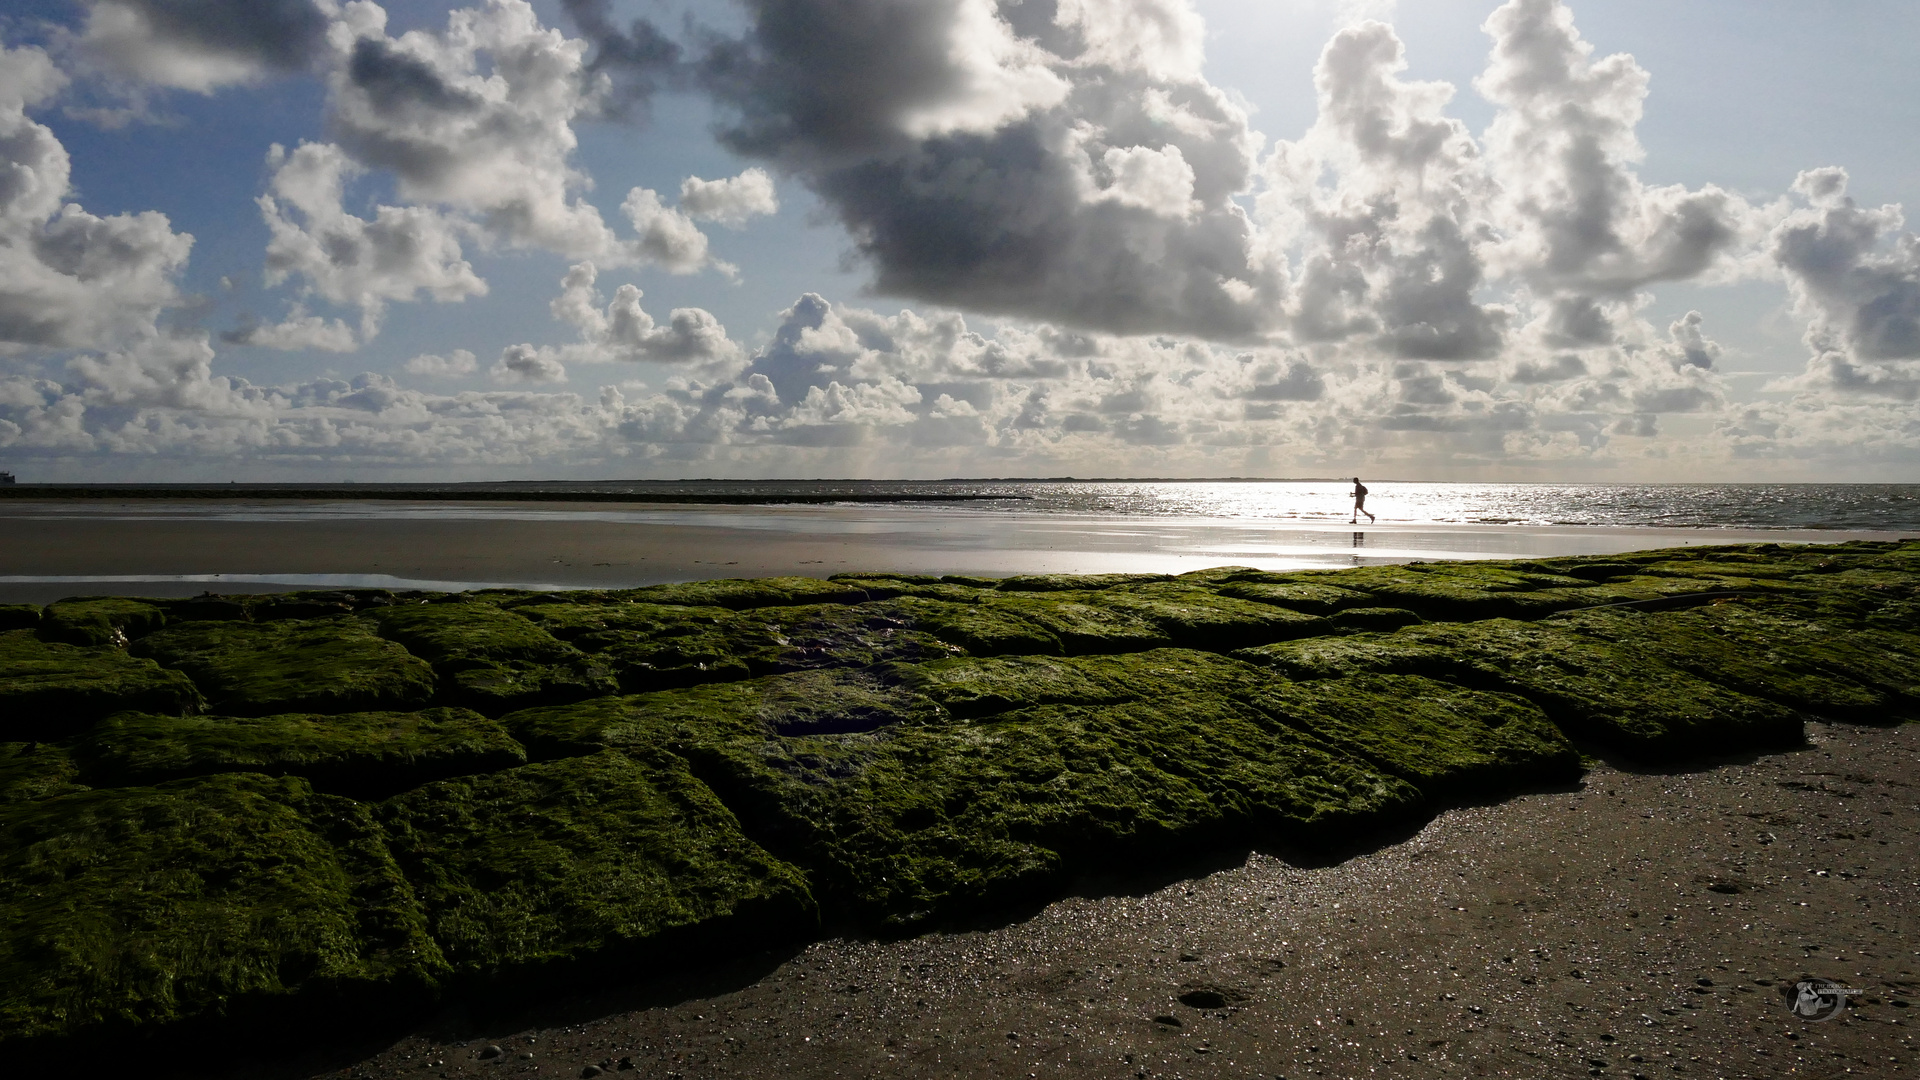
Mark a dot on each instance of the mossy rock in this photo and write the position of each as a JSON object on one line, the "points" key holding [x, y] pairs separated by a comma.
{"points": [[607, 857], [1446, 740], [49, 690], [326, 665], [123, 910], [971, 688], [838, 701], [1833, 671], [981, 629], [318, 603], [773, 640], [33, 771], [1074, 582], [742, 593], [1195, 618], [1373, 618], [100, 620], [1299, 596], [571, 621], [364, 755], [1614, 693], [915, 820], [19, 616], [887, 587], [1082, 623], [492, 659], [1361, 654]]}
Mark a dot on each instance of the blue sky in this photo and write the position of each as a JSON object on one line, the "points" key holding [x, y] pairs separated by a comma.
{"points": [[624, 238]]}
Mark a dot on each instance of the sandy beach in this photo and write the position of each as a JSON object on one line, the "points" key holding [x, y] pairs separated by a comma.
{"points": [[1643, 924], [54, 549]]}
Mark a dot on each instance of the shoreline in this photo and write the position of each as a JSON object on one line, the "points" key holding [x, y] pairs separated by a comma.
{"points": [[161, 549], [1639, 924]]}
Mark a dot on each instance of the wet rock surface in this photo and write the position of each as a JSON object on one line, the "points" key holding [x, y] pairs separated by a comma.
{"points": [[362, 805]]}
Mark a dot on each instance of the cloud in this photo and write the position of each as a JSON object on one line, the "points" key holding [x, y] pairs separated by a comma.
{"points": [[456, 363], [70, 279], [1854, 275], [731, 201], [399, 254], [1579, 221], [526, 364], [201, 45], [1074, 168], [478, 120], [623, 331], [298, 331], [638, 60], [1392, 240]]}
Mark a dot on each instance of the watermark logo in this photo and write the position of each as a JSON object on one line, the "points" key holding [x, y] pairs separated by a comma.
{"points": [[1817, 999]]}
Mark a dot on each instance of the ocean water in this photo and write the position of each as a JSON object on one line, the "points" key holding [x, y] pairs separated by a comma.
{"points": [[1878, 508]]}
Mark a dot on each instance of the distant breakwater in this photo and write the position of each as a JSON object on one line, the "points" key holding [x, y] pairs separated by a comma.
{"points": [[388, 493]]}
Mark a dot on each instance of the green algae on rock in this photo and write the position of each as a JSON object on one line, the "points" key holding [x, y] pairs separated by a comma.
{"points": [[131, 908], [893, 748], [361, 754], [590, 857], [33, 771], [325, 665], [1446, 740], [50, 690], [100, 620], [493, 659]]}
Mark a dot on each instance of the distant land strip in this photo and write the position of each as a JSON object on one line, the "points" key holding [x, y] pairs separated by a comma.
{"points": [[359, 493]]}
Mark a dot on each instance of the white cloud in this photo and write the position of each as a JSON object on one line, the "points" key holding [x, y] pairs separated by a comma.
{"points": [[730, 201], [527, 364], [456, 363], [397, 255], [70, 279]]}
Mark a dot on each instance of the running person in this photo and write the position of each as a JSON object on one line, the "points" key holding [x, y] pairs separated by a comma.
{"points": [[1360, 503]]}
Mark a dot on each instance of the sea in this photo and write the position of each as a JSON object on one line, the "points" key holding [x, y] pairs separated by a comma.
{"points": [[575, 534]]}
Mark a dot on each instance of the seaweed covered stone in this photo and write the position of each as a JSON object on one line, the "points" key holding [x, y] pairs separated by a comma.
{"points": [[323, 665], [100, 620], [493, 659], [611, 857], [365, 755], [51, 690], [127, 909]]}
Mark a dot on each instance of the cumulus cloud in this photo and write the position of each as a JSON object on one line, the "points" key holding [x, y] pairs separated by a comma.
{"points": [[456, 363], [731, 201], [479, 119], [526, 364], [1579, 221], [70, 279], [1854, 275], [202, 45], [399, 254], [1385, 199], [296, 332], [1062, 161]]}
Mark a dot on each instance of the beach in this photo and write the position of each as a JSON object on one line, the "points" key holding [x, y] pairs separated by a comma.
{"points": [[1640, 924], [56, 549]]}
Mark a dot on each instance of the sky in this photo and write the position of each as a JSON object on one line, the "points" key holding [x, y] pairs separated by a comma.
{"points": [[310, 240]]}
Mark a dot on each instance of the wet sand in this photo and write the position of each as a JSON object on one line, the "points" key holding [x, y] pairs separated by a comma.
{"points": [[1641, 925], [49, 550]]}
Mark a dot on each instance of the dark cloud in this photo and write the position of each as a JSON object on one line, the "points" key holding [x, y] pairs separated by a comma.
{"points": [[974, 166], [640, 58], [283, 35]]}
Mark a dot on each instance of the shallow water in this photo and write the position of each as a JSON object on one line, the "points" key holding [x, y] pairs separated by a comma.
{"points": [[1874, 507]]}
